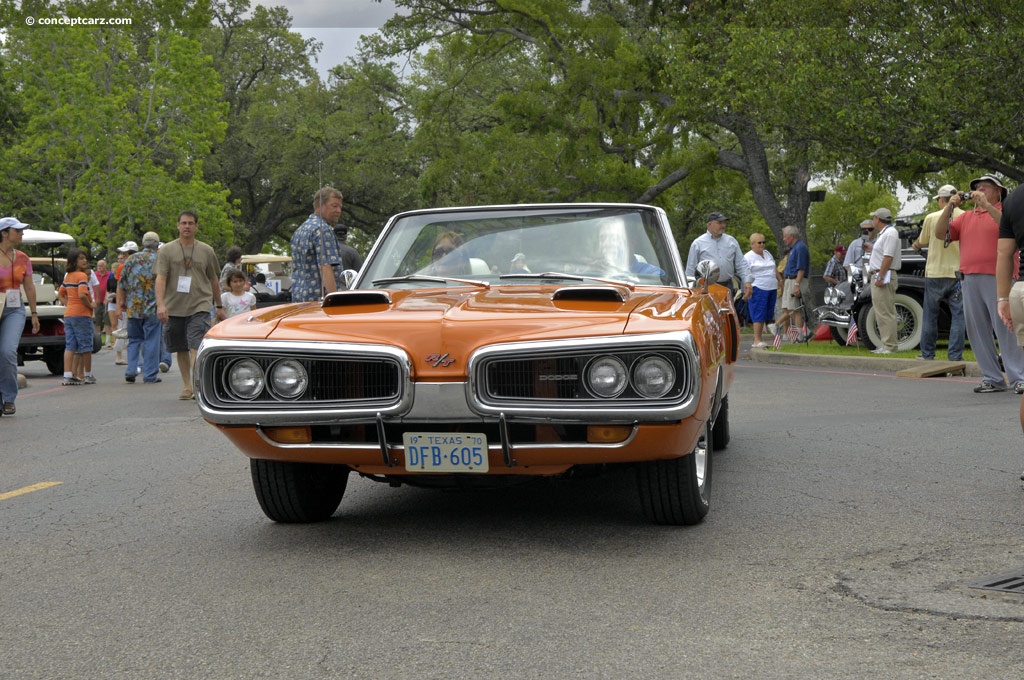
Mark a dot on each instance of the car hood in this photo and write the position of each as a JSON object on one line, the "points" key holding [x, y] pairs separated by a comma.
{"points": [[451, 323]]}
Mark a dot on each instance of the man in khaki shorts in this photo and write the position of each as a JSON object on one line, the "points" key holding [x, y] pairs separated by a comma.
{"points": [[1010, 300]]}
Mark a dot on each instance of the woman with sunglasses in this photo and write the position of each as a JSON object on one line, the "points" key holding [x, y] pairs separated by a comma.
{"points": [[761, 305]]}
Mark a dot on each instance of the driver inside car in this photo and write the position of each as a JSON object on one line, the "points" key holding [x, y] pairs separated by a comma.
{"points": [[447, 258], [615, 249]]}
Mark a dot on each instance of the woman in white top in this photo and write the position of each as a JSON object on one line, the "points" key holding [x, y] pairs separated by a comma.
{"points": [[761, 306]]}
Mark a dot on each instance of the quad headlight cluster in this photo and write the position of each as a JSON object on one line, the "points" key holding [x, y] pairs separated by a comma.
{"points": [[286, 379], [834, 296], [651, 376]]}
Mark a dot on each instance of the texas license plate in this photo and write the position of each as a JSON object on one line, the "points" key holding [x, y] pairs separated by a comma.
{"points": [[445, 451]]}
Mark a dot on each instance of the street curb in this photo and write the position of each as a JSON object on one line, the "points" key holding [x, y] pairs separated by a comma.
{"points": [[872, 364]]}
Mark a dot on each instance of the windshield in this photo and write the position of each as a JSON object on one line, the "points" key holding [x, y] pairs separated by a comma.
{"points": [[511, 246]]}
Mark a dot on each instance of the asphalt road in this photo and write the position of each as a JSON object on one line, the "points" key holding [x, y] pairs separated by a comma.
{"points": [[848, 513]]}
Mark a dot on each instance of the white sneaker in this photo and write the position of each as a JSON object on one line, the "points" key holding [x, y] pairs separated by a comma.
{"points": [[881, 350], [773, 329]]}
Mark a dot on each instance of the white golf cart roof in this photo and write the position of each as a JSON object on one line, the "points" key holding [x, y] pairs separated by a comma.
{"points": [[32, 237]]}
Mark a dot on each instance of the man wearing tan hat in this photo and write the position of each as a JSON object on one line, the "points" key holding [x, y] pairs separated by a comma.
{"points": [[940, 283], [885, 261], [136, 297]]}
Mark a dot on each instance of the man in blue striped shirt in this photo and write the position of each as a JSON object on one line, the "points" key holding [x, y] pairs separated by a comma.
{"points": [[716, 245]]}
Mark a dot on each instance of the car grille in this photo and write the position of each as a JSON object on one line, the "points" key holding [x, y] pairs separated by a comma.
{"points": [[331, 380], [562, 378]]}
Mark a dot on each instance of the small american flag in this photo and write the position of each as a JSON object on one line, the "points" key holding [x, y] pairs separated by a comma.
{"points": [[792, 333], [851, 335], [777, 341]]}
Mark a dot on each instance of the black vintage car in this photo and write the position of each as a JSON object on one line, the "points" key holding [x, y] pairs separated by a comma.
{"points": [[851, 300]]}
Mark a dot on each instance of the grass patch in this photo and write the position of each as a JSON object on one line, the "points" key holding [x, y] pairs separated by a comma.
{"points": [[832, 348]]}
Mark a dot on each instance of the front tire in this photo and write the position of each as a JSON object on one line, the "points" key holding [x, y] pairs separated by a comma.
{"points": [[298, 493], [720, 435], [676, 491], [909, 323]]}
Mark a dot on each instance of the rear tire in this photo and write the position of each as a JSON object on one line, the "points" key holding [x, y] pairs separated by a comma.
{"points": [[298, 492], [54, 360], [676, 491], [909, 323]]}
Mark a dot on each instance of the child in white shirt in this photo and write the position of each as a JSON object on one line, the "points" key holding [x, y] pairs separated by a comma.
{"points": [[237, 300]]}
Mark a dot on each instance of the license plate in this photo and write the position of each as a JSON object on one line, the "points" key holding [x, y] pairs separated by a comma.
{"points": [[445, 452]]}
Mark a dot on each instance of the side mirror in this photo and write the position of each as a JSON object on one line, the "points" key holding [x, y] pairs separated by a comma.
{"points": [[349, 276], [707, 273]]}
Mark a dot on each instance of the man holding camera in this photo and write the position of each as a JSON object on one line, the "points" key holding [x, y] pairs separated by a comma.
{"points": [[940, 283], [978, 234], [859, 245]]}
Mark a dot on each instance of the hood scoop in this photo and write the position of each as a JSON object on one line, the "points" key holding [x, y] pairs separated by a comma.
{"points": [[356, 298], [589, 294]]}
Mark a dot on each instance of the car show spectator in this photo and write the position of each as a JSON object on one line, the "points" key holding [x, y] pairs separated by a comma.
{"points": [[76, 297], [883, 264], [977, 231], [187, 284], [795, 273], [940, 283], [136, 299], [1009, 277], [233, 261], [858, 246], [314, 249], [100, 318], [237, 300], [715, 244], [761, 305], [834, 271], [15, 272]]}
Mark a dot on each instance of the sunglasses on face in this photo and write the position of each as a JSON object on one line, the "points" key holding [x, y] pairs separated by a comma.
{"points": [[441, 252], [758, 243]]}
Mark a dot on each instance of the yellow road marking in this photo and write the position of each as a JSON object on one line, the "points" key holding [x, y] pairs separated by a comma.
{"points": [[28, 489]]}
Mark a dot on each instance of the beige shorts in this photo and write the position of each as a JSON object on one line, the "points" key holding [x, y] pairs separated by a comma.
{"points": [[1017, 310], [790, 301]]}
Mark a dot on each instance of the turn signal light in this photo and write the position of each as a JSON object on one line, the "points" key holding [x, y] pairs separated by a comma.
{"points": [[608, 434], [289, 435]]}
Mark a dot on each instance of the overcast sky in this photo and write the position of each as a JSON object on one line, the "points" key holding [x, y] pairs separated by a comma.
{"points": [[338, 24]]}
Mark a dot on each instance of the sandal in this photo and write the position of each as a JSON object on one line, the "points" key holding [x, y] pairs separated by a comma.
{"points": [[9, 409]]}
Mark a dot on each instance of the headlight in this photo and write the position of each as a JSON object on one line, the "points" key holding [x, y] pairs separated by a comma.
{"points": [[606, 376], [653, 376], [245, 379], [288, 379]]}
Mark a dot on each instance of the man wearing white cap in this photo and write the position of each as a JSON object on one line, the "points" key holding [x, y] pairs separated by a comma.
{"points": [[978, 233], [940, 283], [885, 261]]}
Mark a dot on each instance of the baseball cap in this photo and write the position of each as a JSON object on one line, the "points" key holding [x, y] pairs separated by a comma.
{"points": [[12, 223], [840, 249], [883, 214], [717, 217], [945, 191], [519, 256], [150, 238], [129, 247], [989, 178]]}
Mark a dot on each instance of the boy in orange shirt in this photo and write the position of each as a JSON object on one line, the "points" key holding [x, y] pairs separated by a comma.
{"points": [[74, 293]]}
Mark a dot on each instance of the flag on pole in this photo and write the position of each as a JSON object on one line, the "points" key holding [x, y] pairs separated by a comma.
{"points": [[792, 333], [777, 341], [851, 335]]}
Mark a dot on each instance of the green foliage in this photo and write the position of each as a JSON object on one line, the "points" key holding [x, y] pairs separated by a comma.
{"points": [[836, 221], [115, 129]]}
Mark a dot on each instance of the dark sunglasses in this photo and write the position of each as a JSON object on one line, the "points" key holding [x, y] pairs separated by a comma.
{"points": [[758, 243], [441, 252]]}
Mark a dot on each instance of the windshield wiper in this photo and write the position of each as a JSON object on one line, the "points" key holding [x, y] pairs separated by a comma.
{"points": [[421, 278]]}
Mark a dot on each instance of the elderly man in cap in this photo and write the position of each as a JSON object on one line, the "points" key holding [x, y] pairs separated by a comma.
{"points": [[977, 231], [940, 283], [136, 297], [859, 246], [715, 244], [885, 261], [834, 272]]}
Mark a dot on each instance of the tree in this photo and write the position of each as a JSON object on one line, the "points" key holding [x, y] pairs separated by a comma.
{"points": [[116, 126]]}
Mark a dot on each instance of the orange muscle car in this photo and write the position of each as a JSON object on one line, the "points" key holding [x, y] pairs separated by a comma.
{"points": [[486, 345]]}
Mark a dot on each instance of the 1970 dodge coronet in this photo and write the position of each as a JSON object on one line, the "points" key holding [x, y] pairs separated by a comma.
{"points": [[483, 346]]}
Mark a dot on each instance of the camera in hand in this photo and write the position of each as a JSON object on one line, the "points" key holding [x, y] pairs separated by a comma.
{"points": [[965, 195]]}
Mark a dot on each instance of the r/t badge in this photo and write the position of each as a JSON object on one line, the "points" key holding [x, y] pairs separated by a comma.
{"points": [[442, 360]]}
